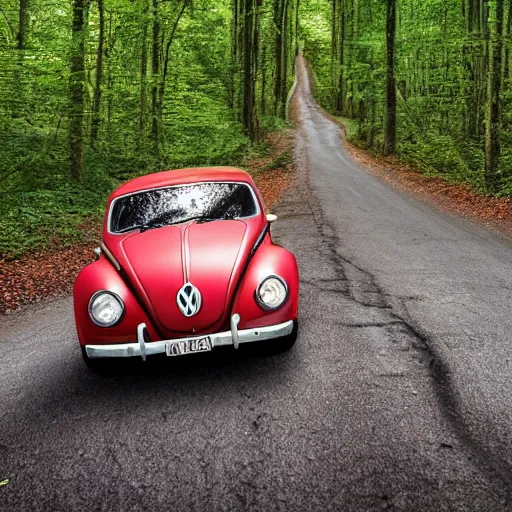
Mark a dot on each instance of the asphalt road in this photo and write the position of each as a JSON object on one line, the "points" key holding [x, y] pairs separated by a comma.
{"points": [[396, 396]]}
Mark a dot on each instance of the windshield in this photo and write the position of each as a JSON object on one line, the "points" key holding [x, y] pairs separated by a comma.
{"points": [[165, 206]]}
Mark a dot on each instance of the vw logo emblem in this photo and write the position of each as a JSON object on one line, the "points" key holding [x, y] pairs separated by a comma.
{"points": [[189, 300]]}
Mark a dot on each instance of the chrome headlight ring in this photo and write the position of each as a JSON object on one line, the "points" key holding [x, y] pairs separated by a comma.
{"points": [[106, 308], [271, 293]]}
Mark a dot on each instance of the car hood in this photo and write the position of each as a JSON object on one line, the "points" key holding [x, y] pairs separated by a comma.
{"points": [[210, 256]]}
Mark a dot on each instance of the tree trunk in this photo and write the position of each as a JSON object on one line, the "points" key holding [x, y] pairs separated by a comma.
{"points": [[234, 55], [21, 44], [492, 122], [297, 17], [255, 67], [96, 105], [284, 60], [278, 78], [77, 90], [390, 131], [349, 54], [483, 67], [143, 76], [470, 63], [240, 60], [334, 54], [155, 70], [248, 91], [506, 72], [22, 25], [161, 92], [110, 79], [340, 100]]}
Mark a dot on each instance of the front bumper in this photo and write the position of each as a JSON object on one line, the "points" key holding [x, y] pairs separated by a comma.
{"points": [[233, 337]]}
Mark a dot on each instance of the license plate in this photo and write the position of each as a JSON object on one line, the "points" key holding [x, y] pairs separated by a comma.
{"points": [[180, 348]]}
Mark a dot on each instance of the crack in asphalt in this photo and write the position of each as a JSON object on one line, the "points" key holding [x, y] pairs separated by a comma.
{"points": [[366, 325], [420, 341], [363, 289]]}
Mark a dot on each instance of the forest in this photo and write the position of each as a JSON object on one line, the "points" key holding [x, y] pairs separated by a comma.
{"points": [[93, 92], [427, 80]]}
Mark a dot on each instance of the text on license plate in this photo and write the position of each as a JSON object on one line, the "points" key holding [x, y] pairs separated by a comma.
{"points": [[180, 348]]}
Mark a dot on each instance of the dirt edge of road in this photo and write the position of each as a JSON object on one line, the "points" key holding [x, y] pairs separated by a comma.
{"points": [[51, 274], [494, 212]]}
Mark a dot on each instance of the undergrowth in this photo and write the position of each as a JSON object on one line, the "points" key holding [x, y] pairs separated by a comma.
{"points": [[42, 213]]}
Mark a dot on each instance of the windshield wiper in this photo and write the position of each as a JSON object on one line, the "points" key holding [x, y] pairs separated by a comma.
{"points": [[159, 223], [210, 219], [200, 219], [151, 225]]}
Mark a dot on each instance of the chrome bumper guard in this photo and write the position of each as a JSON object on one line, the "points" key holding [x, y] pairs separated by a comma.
{"points": [[234, 337]]}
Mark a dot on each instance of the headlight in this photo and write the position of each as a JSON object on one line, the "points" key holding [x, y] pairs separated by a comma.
{"points": [[272, 293], [106, 309]]}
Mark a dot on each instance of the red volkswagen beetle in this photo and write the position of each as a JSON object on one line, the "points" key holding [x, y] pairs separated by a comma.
{"points": [[186, 264]]}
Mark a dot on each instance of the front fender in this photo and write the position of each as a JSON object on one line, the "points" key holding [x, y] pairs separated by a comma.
{"points": [[269, 259], [101, 275]]}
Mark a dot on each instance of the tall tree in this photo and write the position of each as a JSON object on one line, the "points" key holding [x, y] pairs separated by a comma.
{"points": [[235, 44], [281, 55], [155, 69], [96, 104], [278, 58], [166, 55], [493, 117], [390, 131], [143, 73], [285, 45], [248, 116], [21, 45], [22, 24], [297, 26], [77, 90], [334, 49], [508, 34]]}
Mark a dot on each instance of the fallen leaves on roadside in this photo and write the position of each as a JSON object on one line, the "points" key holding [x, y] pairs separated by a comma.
{"points": [[38, 276], [454, 197], [273, 182], [52, 273], [4, 482]]}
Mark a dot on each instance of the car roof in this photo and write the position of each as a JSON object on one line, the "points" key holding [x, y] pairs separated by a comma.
{"points": [[182, 177]]}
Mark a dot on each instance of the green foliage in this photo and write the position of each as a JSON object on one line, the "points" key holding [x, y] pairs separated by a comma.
{"points": [[434, 153], [183, 114], [351, 127], [316, 33], [273, 123], [44, 218], [281, 161], [442, 80]]}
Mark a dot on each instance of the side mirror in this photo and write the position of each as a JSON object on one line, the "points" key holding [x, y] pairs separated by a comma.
{"points": [[271, 217], [97, 253]]}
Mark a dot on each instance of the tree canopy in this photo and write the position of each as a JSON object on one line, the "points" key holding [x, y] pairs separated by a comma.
{"points": [[432, 75], [96, 91]]}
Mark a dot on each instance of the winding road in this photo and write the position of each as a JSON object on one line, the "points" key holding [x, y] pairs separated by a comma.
{"points": [[397, 395]]}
